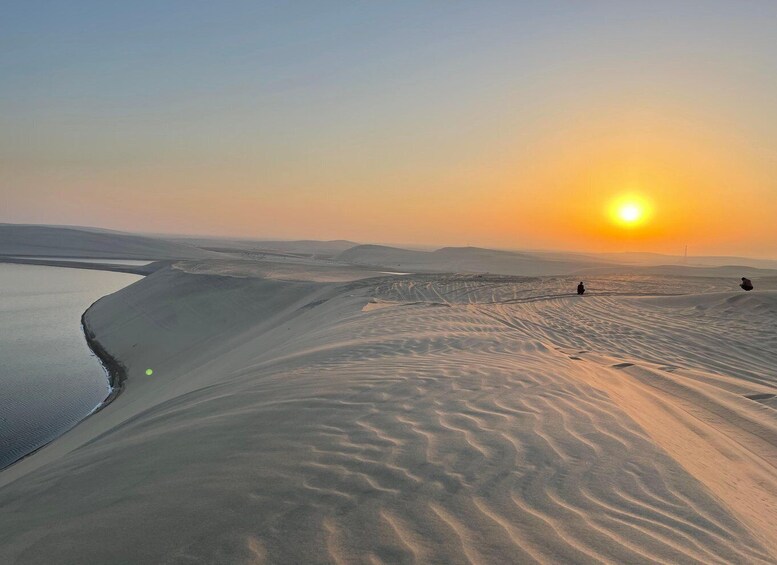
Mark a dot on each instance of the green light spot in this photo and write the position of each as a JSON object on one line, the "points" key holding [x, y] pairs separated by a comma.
{"points": [[149, 372]]}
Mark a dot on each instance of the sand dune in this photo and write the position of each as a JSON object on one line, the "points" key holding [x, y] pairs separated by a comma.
{"points": [[731, 271], [476, 260], [462, 260], [58, 241], [300, 418], [321, 249], [659, 259]]}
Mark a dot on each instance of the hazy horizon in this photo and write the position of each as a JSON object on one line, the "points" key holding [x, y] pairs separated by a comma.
{"points": [[498, 125], [405, 245]]}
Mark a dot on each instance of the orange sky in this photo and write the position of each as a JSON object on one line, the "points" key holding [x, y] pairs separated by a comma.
{"points": [[514, 127]]}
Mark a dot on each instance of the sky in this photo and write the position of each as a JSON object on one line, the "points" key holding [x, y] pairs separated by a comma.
{"points": [[509, 124]]}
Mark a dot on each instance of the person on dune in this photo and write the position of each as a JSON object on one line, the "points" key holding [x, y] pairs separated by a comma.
{"points": [[580, 288], [746, 284]]}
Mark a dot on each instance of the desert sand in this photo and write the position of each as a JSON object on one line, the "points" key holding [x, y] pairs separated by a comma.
{"points": [[302, 413], [69, 241]]}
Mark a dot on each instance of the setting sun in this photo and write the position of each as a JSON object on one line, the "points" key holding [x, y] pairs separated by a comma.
{"points": [[629, 211]]}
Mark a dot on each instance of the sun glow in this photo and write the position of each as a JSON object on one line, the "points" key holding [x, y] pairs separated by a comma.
{"points": [[630, 211]]}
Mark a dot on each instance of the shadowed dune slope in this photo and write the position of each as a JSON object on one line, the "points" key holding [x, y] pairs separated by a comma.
{"points": [[54, 241], [409, 420]]}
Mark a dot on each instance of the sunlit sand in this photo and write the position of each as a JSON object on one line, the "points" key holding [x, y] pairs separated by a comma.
{"points": [[292, 413]]}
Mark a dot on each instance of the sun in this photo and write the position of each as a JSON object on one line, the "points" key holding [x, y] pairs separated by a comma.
{"points": [[630, 213], [629, 210]]}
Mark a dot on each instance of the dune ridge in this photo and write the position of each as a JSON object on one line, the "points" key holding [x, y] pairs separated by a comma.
{"points": [[70, 241], [467, 420], [539, 263]]}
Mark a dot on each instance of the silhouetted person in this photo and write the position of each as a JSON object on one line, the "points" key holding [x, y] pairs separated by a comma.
{"points": [[581, 288], [746, 284]]}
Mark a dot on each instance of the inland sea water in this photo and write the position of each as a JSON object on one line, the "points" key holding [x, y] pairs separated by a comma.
{"points": [[49, 379]]}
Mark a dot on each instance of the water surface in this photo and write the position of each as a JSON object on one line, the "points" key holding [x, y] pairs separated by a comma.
{"points": [[49, 379]]}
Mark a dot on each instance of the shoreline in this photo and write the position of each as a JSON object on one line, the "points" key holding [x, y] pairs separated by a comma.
{"points": [[143, 270], [115, 370]]}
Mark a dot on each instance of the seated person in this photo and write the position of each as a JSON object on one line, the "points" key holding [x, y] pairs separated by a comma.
{"points": [[746, 284]]}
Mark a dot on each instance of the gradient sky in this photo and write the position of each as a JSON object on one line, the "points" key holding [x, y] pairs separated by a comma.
{"points": [[500, 124]]}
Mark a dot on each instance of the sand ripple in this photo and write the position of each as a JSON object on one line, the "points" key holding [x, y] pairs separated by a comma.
{"points": [[486, 431]]}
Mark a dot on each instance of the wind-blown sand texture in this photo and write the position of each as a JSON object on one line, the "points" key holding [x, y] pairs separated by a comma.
{"points": [[295, 416]]}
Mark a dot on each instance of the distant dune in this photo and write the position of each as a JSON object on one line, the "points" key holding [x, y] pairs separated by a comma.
{"points": [[478, 260], [730, 271], [655, 259], [299, 247], [62, 241], [56, 241], [460, 260], [382, 255]]}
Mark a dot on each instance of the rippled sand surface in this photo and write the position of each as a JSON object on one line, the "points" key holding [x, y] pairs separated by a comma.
{"points": [[416, 419]]}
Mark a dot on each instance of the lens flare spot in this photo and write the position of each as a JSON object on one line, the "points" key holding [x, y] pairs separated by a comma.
{"points": [[149, 372]]}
